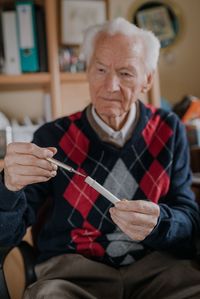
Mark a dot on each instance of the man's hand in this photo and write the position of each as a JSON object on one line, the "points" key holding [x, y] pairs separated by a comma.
{"points": [[25, 163], [135, 218]]}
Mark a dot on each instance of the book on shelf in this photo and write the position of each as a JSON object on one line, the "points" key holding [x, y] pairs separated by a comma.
{"points": [[2, 57], [27, 36], [41, 38], [10, 43], [23, 46]]}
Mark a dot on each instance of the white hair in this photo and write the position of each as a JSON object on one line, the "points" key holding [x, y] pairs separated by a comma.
{"points": [[148, 40]]}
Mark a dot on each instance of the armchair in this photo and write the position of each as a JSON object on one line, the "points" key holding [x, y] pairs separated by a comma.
{"points": [[28, 256]]}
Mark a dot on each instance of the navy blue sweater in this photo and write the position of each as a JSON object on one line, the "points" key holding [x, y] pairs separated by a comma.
{"points": [[152, 165]]}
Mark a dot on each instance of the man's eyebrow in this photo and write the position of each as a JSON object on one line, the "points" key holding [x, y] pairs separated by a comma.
{"points": [[128, 68], [99, 62]]}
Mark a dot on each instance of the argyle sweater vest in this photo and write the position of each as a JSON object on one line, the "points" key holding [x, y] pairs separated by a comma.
{"points": [[152, 165]]}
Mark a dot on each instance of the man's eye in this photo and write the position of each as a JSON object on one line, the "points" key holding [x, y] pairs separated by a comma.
{"points": [[125, 74], [101, 70]]}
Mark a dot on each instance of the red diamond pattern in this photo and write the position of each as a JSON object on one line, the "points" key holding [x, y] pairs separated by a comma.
{"points": [[150, 107], [75, 116], [156, 144], [155, 182], [84, 238], [80, 195], [76, 149]]}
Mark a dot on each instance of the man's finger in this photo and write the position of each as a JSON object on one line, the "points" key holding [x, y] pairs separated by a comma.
{"points": [[135, 218], [33, 171], [29, 148], [30, 160], [140, 206]]}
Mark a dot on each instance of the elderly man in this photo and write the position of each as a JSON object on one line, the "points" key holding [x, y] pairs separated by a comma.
{"points": [[89, 248]]}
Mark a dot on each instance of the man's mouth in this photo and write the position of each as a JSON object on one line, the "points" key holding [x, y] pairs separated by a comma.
{"points": [[111, 99]]}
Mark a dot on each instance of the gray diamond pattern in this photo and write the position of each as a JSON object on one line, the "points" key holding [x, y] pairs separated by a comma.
{"points": [[120, 182]]}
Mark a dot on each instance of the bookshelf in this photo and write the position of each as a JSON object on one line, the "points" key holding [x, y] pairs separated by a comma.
{"points": [[73, 77], [38, 78], [24, 79], [50, 80]]}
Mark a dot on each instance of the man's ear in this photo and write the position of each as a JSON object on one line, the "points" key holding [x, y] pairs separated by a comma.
{"points": [[87, 71], [88, 68], [148, 82]]}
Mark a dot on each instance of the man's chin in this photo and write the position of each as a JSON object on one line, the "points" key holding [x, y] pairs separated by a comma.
{"points": [[114, 113]]}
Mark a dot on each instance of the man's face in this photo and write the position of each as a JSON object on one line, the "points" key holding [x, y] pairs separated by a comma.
{"points": [[116, 74]]}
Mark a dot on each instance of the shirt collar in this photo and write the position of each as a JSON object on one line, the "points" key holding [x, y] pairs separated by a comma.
{"points": [[122, 133]]}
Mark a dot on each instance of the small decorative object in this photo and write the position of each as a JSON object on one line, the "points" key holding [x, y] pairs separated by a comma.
{"points": [[78, 15], [160, 17], [158, 21], [193, 133], [70, 60], [193, 111]]}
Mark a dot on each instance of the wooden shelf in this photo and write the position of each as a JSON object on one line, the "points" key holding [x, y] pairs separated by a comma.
{"points": [[33, 78], [39, 78], [70, 77]]}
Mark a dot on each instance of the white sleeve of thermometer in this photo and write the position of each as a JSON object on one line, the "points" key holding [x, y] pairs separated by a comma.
{"points": [[107, 194]]}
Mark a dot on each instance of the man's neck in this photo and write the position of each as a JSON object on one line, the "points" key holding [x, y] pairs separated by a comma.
{"points": [[110, 135], [116, 123]]}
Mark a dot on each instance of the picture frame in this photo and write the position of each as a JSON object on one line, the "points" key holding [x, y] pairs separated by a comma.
{"points": [[77, 16], [157, 20]]}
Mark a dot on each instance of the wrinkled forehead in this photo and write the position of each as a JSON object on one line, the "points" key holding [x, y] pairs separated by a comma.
{"points": [[119, 43]]}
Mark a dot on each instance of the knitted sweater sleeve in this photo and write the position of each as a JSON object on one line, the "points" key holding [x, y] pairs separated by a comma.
{"points": [[18, 209], [179, 213]]}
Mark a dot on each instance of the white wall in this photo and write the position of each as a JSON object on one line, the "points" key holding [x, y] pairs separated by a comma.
{"points": [[181, 76]]}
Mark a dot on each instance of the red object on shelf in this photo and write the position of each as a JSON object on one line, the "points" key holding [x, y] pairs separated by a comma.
{"points": [[193, 112]]}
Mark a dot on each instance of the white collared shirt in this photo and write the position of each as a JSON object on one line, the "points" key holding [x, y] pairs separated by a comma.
{"points": [[119, 136]]}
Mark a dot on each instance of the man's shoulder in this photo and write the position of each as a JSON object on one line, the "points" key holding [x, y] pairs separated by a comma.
{"points": [[160, 122], [54, 130], [61, 123], [160, 115]]}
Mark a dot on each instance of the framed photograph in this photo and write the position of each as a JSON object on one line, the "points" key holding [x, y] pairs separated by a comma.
{"points": [[78, 15], [157, 20]]}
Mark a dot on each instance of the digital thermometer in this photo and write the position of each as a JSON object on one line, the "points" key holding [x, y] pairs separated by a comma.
{"points": [[103, 191]]}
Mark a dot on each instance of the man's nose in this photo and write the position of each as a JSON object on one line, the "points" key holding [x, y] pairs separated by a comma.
{"points": [[112, 83]]}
